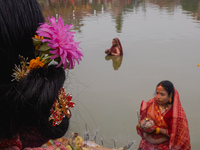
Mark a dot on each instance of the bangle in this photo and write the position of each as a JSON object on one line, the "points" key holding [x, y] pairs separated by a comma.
{"points": [[157, 130]]}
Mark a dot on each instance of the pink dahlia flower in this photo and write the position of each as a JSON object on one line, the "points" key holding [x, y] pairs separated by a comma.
{"points": [[61, 41]]}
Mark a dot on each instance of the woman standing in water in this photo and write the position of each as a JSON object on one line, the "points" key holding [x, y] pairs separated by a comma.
{"points": [[116, 49], [163, 124]]}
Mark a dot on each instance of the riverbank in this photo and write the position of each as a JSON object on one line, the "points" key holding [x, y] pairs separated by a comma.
{"points": [[76, 142]]}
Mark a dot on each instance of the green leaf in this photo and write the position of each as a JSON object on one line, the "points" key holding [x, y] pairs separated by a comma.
{"points": [[36, 41], [47, 57], [47, 61], [44, 47]]}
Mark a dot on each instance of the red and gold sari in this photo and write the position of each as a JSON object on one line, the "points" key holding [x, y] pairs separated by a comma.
{"points": [[174, 119]]}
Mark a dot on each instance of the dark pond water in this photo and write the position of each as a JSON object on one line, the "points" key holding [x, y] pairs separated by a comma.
{"points": [[160, 39]]}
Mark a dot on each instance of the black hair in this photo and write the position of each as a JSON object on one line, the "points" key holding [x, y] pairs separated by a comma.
{"points": [[25, 105], [19, 20], [169, 87]]}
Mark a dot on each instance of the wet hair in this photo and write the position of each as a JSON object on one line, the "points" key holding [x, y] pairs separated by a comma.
{"points": [[25, 105], [168, 86]]}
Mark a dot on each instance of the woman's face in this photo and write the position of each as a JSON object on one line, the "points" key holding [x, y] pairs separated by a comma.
{"points": [[113, 43], [162, 96]]}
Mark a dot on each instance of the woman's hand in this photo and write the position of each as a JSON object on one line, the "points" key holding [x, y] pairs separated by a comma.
{"points": [[148, 137], [151, 130], [108, 51], [148, 130]]}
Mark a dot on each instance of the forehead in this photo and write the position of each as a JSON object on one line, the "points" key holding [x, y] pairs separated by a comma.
{"points": [[161, 89]]}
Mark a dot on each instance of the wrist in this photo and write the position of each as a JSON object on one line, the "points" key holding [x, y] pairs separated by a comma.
{"points": [[167, 134]]}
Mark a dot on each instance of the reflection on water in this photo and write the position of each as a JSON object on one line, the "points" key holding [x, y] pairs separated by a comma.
{"points": [[74, 11], [160, 41], [116, 61]]}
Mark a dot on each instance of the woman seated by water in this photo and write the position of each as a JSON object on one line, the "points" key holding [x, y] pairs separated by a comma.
{"points": [[162, 122], [116, 49]]}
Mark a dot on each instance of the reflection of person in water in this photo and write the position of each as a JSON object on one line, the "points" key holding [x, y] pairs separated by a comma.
{"points": [[117, 61], [116, 49]]}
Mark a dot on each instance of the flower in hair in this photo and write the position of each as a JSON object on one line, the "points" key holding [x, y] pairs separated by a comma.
{"points": [[21, 70], [60, 45], [35, 63], [53, 42], [40, 38], [24, 67]]}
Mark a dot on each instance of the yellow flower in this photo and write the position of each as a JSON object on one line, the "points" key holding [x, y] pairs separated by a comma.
{"points": [[35, 63]]}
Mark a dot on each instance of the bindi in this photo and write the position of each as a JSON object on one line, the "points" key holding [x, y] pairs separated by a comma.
{"points": [[159, 88]]}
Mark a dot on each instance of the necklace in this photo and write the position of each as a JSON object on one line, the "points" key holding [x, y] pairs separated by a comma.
{"points": [[164, 108]]}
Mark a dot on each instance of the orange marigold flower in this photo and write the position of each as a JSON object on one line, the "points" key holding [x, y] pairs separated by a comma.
{"points": [[35, 63], [197, 65], [37, 47], [39, 37]]}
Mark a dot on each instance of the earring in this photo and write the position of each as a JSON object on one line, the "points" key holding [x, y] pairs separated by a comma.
{"points": [[170, 100]]}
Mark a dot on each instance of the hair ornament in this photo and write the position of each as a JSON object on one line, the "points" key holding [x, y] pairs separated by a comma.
{"points": [[24, 67], [54, 42], [58, 43], [60, 108], [21, 70]]}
